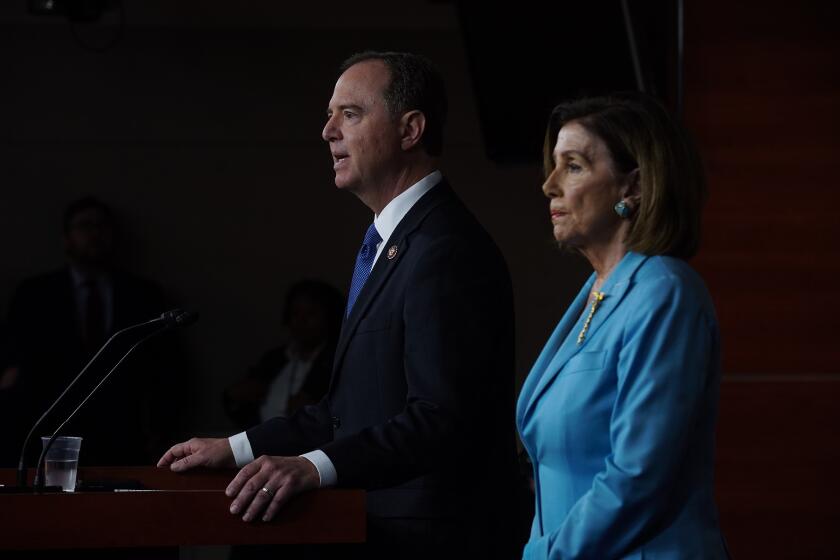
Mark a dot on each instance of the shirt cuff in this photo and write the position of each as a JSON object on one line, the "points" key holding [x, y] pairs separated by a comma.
{"points": [[325, 468], [241, 447]]}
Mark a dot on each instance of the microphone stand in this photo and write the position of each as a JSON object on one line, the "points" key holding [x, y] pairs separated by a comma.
{"points": [[168, 317], [39, 466]]}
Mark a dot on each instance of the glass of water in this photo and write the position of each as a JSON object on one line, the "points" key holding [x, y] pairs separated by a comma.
{"points": [[62, 462]]}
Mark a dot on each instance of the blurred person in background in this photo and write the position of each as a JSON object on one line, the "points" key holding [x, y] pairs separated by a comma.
{"points": [[56, 323], [296, 373]]}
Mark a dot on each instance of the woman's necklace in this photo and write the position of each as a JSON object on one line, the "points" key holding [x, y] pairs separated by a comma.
{"points": [[596, 299]]}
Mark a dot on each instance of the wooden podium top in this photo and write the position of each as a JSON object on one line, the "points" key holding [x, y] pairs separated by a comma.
{"points": [[174, 510]]}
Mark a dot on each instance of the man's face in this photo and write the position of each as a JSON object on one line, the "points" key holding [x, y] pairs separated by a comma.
{"points": [[364, 139], [89, 238]]}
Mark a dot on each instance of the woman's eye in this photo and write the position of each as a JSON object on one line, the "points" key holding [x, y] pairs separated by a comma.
{"points": [[573, 167]]}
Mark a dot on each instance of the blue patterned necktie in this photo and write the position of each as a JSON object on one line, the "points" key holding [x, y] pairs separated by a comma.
{"points": [[364, 264]]}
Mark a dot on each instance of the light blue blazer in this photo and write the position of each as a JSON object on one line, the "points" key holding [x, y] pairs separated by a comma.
{"points": [[620, 428]]}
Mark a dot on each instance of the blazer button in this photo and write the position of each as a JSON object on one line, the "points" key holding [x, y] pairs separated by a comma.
{"points": [[336, 422]]}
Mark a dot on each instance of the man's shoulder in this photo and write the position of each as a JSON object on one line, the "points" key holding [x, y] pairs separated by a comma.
{"points": [[452, 237], [442, 228], [448, 215], [41, 294]]}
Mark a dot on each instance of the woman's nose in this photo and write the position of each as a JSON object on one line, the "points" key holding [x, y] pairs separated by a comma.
{"points": [[550, 187]]}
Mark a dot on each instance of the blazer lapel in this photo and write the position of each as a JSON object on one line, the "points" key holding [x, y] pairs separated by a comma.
{"points": [[554, 351], [614, 290], [384, 267]]}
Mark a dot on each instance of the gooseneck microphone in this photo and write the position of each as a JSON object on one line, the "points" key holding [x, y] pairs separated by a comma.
{"points": [[167, 321]]}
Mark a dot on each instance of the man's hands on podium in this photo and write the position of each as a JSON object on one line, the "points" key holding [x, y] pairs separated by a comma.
{"points": [[260, 488], [263, 486], [199, 452]]}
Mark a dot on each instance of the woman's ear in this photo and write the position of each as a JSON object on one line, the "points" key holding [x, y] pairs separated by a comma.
{"points": [[633, 188], [412, 126]]}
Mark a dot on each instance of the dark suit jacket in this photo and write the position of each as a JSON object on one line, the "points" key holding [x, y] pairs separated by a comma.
{"points": [[420, 406], [130, 417]]}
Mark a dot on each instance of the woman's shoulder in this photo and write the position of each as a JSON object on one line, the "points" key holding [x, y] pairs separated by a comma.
{"points": [[664, 277], [665, 268]]}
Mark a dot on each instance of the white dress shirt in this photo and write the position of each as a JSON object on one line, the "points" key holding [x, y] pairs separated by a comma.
{"points": [[386, 222]]}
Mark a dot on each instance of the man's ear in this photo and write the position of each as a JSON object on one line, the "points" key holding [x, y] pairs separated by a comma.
{"points": [[633, 192], [412, 126]]}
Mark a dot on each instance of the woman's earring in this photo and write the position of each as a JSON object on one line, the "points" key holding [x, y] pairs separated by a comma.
{"points": [[622, 209]]}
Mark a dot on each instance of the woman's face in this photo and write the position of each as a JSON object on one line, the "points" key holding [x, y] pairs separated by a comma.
{"points": [[583, 188]]}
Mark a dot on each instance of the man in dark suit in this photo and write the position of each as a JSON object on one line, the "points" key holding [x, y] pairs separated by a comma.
{"points": [[420, 406], [58, 320]]}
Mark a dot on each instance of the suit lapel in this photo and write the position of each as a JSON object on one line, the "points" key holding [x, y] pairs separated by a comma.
{"points": [[384, 266], [614, 290], [538, 372]]}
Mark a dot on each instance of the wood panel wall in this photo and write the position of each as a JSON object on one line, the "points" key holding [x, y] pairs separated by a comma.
{"points": [[763, 100]]}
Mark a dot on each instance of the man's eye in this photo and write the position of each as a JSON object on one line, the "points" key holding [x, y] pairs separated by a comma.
{"points": [[349, 114]]}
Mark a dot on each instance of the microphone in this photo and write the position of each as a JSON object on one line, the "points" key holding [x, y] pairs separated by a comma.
{"points": [[166, 321], [184, 318]]}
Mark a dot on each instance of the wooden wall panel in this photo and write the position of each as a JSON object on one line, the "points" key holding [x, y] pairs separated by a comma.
{"points": [[777, 488], [763, 101], [762, 95]]}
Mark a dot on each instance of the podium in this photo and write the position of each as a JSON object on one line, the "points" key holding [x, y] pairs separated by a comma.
{"points": [[171, 510]]}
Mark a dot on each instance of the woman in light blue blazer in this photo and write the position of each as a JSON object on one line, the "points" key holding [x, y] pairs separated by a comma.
{"points": [[618, 412]]}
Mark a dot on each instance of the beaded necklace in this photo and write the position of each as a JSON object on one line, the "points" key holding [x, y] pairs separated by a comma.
{"points": [[596, 299]]}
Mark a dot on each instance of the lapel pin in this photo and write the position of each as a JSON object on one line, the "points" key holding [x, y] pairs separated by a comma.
{"points": [[392, 252]]}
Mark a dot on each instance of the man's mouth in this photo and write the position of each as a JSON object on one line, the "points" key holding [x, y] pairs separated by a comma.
{"points": [[339, 159]]}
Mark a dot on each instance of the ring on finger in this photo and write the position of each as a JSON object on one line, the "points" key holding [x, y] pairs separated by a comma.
{"points": [[267, 492]]}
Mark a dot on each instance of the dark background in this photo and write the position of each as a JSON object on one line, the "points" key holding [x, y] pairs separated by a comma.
{"points": [[201, 127]]}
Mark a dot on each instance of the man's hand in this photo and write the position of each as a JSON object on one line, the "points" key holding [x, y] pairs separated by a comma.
{"points": [[281, 477], [199, 452]]}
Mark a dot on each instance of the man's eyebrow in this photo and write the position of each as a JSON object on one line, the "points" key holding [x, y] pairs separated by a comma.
{"points": [[344, 107]]}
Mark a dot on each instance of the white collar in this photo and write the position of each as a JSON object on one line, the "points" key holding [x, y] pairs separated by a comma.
{"points": [[393, 213]]}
